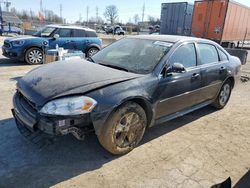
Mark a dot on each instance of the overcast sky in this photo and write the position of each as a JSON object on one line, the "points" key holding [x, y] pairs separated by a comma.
{"points": [[72, 9]]}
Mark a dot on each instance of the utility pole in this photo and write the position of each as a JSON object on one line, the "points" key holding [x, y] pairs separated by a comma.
{"points": [[87, 14], [96, 19], [143, 12], [61, 8], [41, 5], [1, 20]]}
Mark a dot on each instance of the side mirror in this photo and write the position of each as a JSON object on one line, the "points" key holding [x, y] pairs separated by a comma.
{"points": [[175, 68], [56, 36], [178, 68]]}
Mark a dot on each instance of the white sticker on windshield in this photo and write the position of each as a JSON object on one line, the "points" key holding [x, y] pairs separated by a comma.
{"points": [[166, 44]]}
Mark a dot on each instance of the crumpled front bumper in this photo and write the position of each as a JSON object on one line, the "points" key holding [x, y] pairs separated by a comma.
{"points": [[27, 116]]}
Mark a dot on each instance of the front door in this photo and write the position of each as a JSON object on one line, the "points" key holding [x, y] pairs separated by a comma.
{"points": [[179, 90], [65, 40]]}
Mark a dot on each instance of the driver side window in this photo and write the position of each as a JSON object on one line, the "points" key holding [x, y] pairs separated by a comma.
{"points": [[185, 54], [64, 33]]}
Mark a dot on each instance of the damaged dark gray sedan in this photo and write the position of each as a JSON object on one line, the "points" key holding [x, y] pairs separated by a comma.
{"points": [[133, 84]]}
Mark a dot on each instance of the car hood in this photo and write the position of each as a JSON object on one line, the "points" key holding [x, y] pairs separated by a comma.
{"points": [[25, 38], [68, 78]]}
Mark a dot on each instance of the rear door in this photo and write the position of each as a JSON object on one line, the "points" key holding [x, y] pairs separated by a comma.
{"points": [[81, 39], [179, 90], [213, 69]]}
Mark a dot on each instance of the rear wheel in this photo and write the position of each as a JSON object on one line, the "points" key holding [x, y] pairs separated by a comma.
{"points": [[34, 56], [223, 96], [124, 129], [92, 51]]}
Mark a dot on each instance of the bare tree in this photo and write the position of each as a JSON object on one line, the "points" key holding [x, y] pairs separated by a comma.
{"points": [[111, 13], [153, 20], [136, 18]]}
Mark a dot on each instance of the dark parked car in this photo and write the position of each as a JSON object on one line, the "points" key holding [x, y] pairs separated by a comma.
{"points": [[31, 48], [116, 30], [134, 83]]}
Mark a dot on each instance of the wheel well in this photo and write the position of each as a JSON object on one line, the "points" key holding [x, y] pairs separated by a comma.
{"points": [[146, 107], [91, 47], [231, 79]]}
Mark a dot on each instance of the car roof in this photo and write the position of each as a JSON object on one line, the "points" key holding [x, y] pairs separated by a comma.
{"points": [[71, 27], [170, 38]]}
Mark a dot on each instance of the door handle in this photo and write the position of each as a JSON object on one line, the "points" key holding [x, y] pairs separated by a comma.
{"points": [[195, 76]]}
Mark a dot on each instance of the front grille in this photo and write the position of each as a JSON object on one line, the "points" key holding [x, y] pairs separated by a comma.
{"points": [[27, 105], [7, 44]]}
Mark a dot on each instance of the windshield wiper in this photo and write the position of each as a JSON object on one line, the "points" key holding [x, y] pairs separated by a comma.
{"points": [[115, 67]]}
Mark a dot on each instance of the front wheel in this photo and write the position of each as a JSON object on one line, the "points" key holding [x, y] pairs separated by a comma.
{"points": [[223, 96], [124, 129], [34, 56]]}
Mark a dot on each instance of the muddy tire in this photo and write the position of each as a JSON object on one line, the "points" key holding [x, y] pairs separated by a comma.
{"points": [[34, 56], [223, 96], [124, 129], [91, 51]]}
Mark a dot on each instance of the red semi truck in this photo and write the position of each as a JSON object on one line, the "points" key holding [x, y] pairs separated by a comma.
{"points": [[224, 21]]}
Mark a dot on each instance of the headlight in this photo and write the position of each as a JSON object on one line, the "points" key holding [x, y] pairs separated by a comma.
{"points": [[18, 42], [69, 106]]}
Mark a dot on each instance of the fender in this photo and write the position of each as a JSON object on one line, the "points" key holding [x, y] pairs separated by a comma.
{"points": [[100, 118]]}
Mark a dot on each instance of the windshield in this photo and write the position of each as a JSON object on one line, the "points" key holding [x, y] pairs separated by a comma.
{"points": [[44, 32], [134, 55]]}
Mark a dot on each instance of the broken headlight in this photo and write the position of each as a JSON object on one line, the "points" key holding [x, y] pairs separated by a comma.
{"points": [[69, 106]]}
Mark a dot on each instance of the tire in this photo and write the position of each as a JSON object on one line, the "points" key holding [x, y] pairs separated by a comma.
{"points": [[223, 96], [91, 51], [34, 56], [124, 129]]}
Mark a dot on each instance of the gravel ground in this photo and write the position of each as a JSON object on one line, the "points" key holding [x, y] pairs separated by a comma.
{"points": [[197, 150]]}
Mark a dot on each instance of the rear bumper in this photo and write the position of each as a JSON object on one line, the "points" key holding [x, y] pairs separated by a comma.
{"points": [[28, 117]]}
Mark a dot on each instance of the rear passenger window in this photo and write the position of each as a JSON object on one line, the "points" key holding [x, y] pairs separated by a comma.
{"points": [[208, 53], [91, 34], [223, 56], [186, 55], [79, 33]]}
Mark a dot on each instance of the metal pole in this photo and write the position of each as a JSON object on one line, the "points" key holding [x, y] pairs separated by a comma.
{"points": [[61, 8], [1, 20], [87, 15], [244, 39]]}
